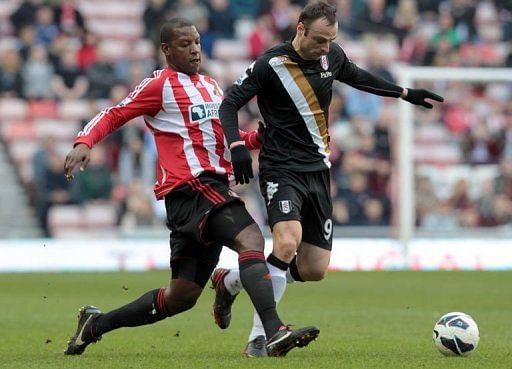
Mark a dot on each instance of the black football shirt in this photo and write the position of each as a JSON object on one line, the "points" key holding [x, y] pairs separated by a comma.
{"points": [[293, 96]]}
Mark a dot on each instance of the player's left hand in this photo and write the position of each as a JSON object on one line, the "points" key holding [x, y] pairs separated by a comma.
{"points": [[417, 96], [242, 164]]}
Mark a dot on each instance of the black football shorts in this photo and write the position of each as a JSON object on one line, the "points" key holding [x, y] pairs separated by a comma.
{"points": [[202, 215], [302, 196]]}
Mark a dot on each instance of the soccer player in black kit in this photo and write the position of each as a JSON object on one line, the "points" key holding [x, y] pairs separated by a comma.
{"points": [[293, 84]]}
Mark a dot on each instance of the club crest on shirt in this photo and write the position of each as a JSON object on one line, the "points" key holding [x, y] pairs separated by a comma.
{"points": [[285, 206], [199, 112], [324, 62]]}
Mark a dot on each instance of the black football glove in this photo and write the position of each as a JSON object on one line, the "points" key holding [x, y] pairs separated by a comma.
{"points": [[417, 96], [242, 164]]}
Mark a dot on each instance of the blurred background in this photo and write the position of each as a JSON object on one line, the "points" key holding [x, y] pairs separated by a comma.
{"points": [[61, 62]]}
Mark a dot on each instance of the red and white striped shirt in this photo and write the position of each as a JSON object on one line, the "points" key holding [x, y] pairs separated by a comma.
{"points": [[182, 112]]}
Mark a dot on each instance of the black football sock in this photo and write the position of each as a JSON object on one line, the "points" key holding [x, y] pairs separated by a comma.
{"points": [[294, 271], [278, 263], [147, 309], [257, 282]]}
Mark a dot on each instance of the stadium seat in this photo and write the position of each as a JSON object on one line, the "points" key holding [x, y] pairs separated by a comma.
{"points": [[17, 130], [100, 104], [144, 49], [74, 233], [6, 8], [81, 220], [238, 67], [23, 150], [434, 133], [116, 28], [387, 49], [230, 70], [12, 108], [26, 172], [42, 109], [444, 177], [215, 67], [444, 154], [229, 50], [8, 43], [116, 49], [65, 217], [109, 9], [243, 27], [99, 215], [357, 51], [73, 109], [63, 146], [60, 129]]}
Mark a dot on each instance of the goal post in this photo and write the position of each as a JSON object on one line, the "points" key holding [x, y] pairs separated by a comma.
{"points": [[407, 76]]}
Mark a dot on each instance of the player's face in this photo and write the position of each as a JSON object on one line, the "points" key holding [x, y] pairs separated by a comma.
{"points": [[314, 40], [184, 51]]}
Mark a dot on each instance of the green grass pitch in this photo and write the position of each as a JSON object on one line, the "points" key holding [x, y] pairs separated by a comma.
{"points": [[367, 320]]}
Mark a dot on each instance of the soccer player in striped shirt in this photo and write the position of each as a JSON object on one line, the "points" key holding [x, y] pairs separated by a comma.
{"points": [[180, 107]]}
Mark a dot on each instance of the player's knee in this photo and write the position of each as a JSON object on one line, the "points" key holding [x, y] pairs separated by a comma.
{"points": [[180, 305], [176, 304], [250, 238], [285, 246]]}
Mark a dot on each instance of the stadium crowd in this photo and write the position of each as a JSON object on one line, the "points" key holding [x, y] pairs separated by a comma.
{"points": [[60, 67]]}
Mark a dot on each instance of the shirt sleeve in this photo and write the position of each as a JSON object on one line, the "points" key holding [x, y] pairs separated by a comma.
{"points": [[361, 79], [250, 139], [242, 91], [145, 99]]}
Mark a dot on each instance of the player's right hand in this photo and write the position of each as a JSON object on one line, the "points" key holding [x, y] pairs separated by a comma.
{"points": [[242, 164], [417, 96], [80, 154]]}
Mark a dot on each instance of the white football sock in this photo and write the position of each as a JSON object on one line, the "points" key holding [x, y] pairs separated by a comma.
{"points": [[232, 281], [279, 285], [289, 278]]}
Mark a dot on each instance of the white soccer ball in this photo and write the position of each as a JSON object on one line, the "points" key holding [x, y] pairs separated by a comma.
{"points": [[456, 334]]}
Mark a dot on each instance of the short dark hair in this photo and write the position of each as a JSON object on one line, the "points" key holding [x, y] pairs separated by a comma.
{"points": [[317, 10], [167, 31]]}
